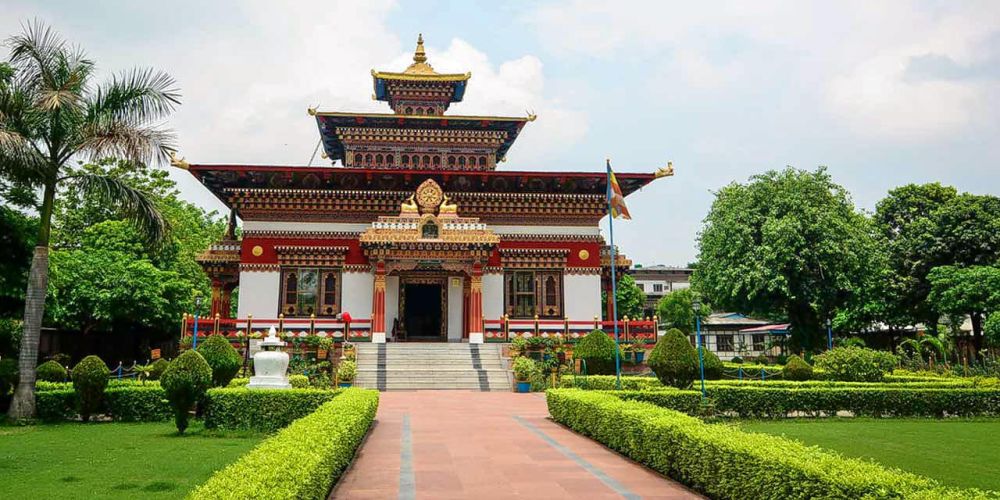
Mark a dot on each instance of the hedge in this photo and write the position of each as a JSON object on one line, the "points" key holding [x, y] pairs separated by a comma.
{"points": [[303, 460], [942, 383], [262, 410], [607, 382], [132, 403], [55, 406], [766, 402], [724, 462]]}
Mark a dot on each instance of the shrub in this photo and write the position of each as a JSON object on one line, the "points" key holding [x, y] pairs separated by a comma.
{"points": [[674, 360], [346, 371], [185, 382], [261, 410], [55, 406], [158, 367], [90, 377], [607, 382], [736, 359], [724, 462], [797, 369], [137, 403], [761, 360], [522, 368], [239, 382], [598, 351], [51, 371], [856, 364], [298, 381], [8, 375], [713, 365], [222, 358], [305, 459]]}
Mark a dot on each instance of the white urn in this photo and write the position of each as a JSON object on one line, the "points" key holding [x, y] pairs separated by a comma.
{"points": [[270, 366]]}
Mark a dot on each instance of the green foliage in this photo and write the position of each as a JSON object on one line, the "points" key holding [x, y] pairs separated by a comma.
{"points": [[991, 329], [346, 371], [674, 360], [157, 368], [185, 382], [320, 445], [90, 377], [17, 238], [761, 359], [522, 368], [607, 382], [797, 369], [51, 371], [597, 349], [222, 357], [519, 343], [855, 364], [753, 465], [298, 381], [849, 342], [631, 298], [8, 375], [788, 244], [675, 310], [261, 410], [137, 403], [966, 290], [713, 365]]}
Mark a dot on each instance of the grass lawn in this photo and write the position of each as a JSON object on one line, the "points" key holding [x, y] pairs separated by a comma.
{"points": [[112, 460], [963, 453]]}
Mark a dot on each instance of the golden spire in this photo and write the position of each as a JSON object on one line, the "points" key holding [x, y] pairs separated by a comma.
{"points": [[420, 56]]}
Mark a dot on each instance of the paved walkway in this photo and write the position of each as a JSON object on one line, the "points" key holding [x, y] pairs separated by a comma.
{"points": [[480, 445]]}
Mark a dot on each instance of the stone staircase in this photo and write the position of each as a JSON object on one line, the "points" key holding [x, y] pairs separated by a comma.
{"points": [[412, 366]]}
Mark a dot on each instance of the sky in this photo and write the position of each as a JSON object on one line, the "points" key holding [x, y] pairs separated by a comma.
{"points": [[881, 93]]}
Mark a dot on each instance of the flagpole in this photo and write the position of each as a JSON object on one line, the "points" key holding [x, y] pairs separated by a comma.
{"points": [[614, 284]]}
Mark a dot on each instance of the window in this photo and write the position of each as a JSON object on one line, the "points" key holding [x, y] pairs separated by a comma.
{"points": [[641, 286], [534, 292], [758, 341], [309, 290], [658, 287], [429, 231], [724, 343]]}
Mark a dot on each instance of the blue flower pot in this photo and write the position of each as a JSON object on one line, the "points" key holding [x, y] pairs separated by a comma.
{"points": [[639, 356], [344, 385], [524, 387]]}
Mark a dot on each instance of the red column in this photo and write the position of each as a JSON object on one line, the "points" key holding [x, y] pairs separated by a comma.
{"points": [[476, 305], [378, 304]]}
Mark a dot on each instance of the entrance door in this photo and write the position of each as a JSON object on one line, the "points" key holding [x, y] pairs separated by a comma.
{"points": [[422, 312]]}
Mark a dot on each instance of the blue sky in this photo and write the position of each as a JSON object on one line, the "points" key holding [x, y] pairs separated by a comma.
{"points": [[883, 93]]}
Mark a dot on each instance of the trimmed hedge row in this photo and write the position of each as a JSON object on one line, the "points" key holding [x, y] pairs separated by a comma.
{"points": [[303, 460], [943, 383], [134, 403], [725, 462], [262, 410], [766, 402], [607, 382]]}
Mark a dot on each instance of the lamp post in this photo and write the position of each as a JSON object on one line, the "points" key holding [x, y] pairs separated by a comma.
{"points": [[194, 338], [829, 334], [696, 305]]}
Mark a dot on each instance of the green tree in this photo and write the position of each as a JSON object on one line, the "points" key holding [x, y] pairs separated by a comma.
{"points": [[17, 238], [51, 114], [991, 329], [676, 310], [788, 244], [972, 291], [631, 298]]}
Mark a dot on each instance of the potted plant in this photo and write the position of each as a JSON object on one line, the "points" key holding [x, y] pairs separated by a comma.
{"points": [[323, 347], [517, 346], [522, 373], [346, 373], [638, 349]]}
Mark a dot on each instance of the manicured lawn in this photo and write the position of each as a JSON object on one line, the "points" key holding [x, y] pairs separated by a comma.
{"points": [[963, 453], [112, 460]]}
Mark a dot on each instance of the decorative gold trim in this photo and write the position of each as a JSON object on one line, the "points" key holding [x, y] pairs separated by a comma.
{"points": [[259, 267], [257, 251], [583, 254]]}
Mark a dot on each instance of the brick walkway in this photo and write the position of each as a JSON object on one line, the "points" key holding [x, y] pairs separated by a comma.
{"points": [[457, 444]]}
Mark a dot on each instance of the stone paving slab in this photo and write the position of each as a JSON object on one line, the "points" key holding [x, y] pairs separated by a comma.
{"points": [[483, 445]]}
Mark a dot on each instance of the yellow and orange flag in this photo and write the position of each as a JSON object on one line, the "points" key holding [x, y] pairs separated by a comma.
{"points": [[616, 200]]}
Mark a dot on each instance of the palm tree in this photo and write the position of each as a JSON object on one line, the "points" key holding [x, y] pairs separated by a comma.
{"points": [[52, 114]]}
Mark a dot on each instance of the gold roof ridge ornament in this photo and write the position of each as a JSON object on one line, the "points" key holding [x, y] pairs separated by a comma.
{"points": [[420, 69], [667, 171], [180, 163]]}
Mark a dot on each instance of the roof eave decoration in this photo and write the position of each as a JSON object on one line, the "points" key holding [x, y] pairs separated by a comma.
{"points": [[420, 71]]}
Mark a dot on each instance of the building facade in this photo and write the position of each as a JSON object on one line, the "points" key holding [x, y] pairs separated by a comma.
{"points": [[659, 280], [417, 235]]}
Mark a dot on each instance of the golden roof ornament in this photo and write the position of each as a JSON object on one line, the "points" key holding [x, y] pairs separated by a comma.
{"points": [[429, 196], [665, 171], [420, 66], [409, 207], [178, 162]]}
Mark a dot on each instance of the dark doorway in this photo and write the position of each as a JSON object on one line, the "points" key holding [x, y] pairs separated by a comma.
{"points": [[422, 314]]}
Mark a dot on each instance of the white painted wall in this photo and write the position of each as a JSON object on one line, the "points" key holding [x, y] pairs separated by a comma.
{"points": [[455, 310], [357, 294], [391, 302], [492, 296], [259, 292], [581, 296]]}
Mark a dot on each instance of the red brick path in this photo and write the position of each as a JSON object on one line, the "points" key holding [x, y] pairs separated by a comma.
{"points": [[469, 445]]}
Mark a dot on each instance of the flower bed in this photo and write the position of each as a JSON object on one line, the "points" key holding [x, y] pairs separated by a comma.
{"points": [[303, 460], [725, 462], [262, 410]]}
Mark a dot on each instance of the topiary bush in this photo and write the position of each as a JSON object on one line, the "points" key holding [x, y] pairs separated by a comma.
{"points": [[90, 377], [159, 366], [797, 369], [185, 382], [597, 349], [713, 365], [856, 364], [51, 371], [298, 381], [674, 360], [222, 358]]}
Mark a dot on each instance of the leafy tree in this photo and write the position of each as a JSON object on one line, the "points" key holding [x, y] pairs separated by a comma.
{"points": [[222, 358], [631, 299], [17, 238], [51, 114], [788, 244], [185, 381], [967, 231], [675, 310], [974, 291], [991, 329]]}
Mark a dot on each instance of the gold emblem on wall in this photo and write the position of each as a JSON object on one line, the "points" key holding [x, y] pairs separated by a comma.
{"points": [[429, 196], [257, 251], [584, 255]]}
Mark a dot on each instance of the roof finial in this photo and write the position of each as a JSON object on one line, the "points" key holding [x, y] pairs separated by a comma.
{"points": [[420, 56]]}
